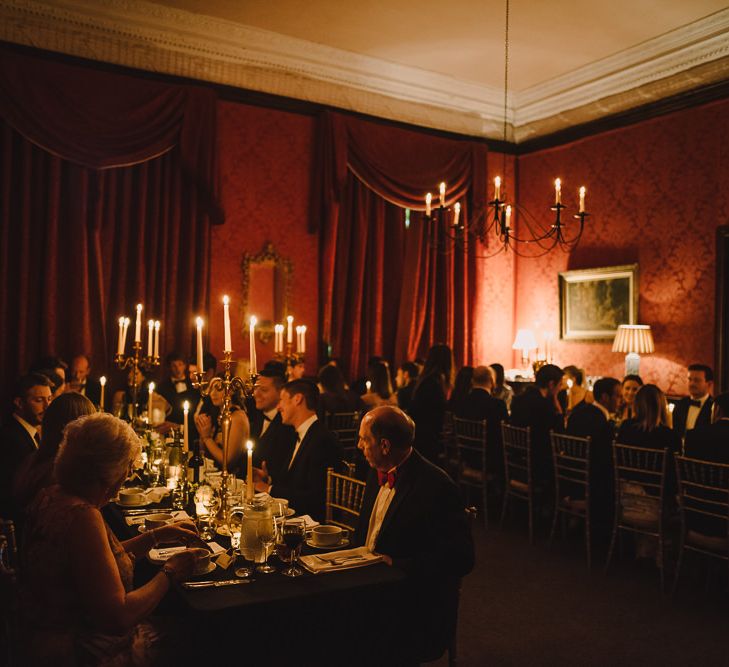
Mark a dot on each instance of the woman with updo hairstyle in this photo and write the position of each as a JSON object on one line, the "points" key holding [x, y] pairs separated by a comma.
{"points": [[79, 604], [36, 470]]}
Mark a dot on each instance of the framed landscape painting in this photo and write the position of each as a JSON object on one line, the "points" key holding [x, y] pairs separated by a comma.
{"points": [[594, 302]]}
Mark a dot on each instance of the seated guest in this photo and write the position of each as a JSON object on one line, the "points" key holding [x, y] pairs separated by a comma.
{"points": [[651, 426], [501, 390], [711, 443], [20, 434], [81, 380], [695, 410], [478, 405], [380, 390], [210, 430], [333, 393], [297, 371], [35, 471], [303, 482], [428, 404], [274, 439], [461, 388], [359, 386], [576, 392], [51, 363], [630, 386], [76, 576], [405, 380], [593, 420], [413, 515], [539, 409], [123, 400], [177, 388]]}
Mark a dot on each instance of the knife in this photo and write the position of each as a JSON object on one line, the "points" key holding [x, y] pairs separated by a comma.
{"points": [[215, 584]]}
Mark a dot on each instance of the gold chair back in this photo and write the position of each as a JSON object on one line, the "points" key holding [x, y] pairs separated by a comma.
{"points": [[345, 495]]}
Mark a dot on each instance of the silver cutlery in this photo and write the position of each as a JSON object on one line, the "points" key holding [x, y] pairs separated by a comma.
{"points": [[215, 584], [339, 561]]}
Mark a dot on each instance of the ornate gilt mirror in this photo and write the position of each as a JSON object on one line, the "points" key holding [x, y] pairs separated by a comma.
{"points": [[266, 289]]}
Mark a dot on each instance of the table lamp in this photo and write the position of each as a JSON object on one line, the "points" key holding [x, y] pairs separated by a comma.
{"points": [[524, 341], [633, 340]]}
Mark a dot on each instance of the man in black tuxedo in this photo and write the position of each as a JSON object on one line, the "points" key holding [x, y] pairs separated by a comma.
{"points": [[594, 420], [407, 374], [304, 480], [20, 434], [274, 440], [81, 380], [413, 515], [694, 410], [711, 443], [177, 388]]}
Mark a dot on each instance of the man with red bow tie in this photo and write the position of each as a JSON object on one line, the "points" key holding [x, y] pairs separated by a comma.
{"points": [[414, 516]]}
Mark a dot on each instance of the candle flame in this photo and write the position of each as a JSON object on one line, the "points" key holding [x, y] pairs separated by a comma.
{"points": [[126, 321], [303, 328], [583, 190], [186, 406], [157, 325], [226, 300], [254, 320], [121, 321], [249, 445], [199, 322], [150, 323], [558, 183], [102, 380], [139, 307], [497, 181], [442, 188], [151, 387], [290, 318]]}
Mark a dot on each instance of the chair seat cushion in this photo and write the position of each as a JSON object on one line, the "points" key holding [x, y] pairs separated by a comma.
{"points": [[640, 519], [519, 486]]}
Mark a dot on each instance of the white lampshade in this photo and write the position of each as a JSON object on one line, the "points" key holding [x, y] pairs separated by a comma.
{"points": [[636, 338], [524, 340]]}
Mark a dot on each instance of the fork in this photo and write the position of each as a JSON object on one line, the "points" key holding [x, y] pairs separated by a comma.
{"points": [[340, 560]]}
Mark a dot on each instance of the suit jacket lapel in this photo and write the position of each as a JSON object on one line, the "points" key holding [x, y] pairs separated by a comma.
{"points": [[404, 485], [305, 445]]}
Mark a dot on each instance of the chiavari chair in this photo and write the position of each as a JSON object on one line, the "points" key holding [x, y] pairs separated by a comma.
{"points": [[344, 498], [473, 473]]}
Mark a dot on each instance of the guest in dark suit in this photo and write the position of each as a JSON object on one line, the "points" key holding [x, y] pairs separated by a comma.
{"points": [[538, 408], [593, 420], [405, 379], [81, 381], [20, 434], [462, 386], [711, 443], [478, 405], [177, 388], [695, 410], [428, 405], [413, 515], [274, 440], [650, 428], [334, 395], [303, 482]]}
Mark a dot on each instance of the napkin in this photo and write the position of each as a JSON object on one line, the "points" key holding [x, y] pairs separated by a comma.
{"points": [[310, 523], [335, 561], [138, 520], [161, 555]]}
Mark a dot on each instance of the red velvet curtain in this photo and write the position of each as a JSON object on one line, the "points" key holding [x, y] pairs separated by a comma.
{"points": [[385, 289], [83, 238]]}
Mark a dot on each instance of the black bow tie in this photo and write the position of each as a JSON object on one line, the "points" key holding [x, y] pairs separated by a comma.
{"points": [[266, 418], [694, 403]]}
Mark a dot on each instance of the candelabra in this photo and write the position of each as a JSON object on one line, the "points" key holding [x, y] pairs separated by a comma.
{"points": [[289, 358], [135, 361], [229, 384]]}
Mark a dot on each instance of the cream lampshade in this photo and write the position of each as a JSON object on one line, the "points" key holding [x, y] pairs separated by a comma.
{"points": [[524, 341], [633, 340]]}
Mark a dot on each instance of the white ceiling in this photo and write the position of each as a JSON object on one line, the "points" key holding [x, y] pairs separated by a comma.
{"points": [[429, 63]]}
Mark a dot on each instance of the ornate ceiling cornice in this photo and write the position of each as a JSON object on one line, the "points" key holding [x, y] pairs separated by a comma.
{"points": [[143, 35]]}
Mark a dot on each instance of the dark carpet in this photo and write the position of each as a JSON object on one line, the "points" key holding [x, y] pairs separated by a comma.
{"points": [[536, 605]]}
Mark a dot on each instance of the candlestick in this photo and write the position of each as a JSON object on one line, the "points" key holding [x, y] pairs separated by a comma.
{"points": [[125, 328], [157, 325], [457, 214], [119, 343], [289, 331], [249, 474], [185, 441], [303, 338], [508, 216], [558, 191], [441, 192], [497, 188], [583, 190], [102, 382], [199, 324], [252, 333], [226, 320], [138, 325], [149, 402], [150, 329], [428, 203]]}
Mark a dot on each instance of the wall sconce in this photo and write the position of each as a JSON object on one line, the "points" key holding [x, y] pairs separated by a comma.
{"points": [[633, 340]]}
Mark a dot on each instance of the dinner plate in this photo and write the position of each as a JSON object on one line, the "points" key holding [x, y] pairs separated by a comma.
{"points": [[210, 568], [134, 505], [329, 547], [290, 511]]}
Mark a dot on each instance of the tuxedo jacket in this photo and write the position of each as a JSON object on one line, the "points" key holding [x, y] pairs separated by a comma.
{"points": [[304, 483], [15, 445], [426, 533], [709, 443], [275, 446], [93, 391], [478, 405], [176, 399], [680, 413]]}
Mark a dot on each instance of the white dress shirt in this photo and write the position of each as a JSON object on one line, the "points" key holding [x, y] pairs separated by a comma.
{"points": [[271, 415], [693, 413]]}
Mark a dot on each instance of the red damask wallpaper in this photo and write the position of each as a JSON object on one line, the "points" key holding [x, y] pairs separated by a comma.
{"points": [[657, 191], [266, 166]]}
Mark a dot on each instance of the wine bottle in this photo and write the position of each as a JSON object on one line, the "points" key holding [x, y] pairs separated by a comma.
{"points": [[195, 464]]}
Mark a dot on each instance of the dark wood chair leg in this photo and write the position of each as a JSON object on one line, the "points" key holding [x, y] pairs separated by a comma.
{"points": [[485, 493], [503, 509], [531, 519], [554, 523], [677, 574], [612, 546]]}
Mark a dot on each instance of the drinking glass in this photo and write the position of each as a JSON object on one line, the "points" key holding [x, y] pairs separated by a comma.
{"points": [[293, 534], [266, 533], [207, 505], [235, 527]]}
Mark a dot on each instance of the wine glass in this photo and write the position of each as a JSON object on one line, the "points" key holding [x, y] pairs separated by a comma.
{"points": [[236, 527], [207, 505], [266, 533], [293, 534]]}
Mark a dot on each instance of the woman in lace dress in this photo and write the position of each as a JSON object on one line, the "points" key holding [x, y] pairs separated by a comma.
{"points": [[79, 604]]}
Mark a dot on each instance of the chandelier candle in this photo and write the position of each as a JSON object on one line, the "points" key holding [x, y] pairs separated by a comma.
{"points": [[149, 402], [199, 325], [249, 472], [156, 338], [428, 203], [185, 440], [102, 382], [583, 190], [441, 192], [252, 333], [558, 191], [290, 330], [497, 188], [138, 325], [226, 321]]}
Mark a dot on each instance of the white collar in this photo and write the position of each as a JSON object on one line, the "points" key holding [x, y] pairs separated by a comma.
{"points": [[304, 427], [271, 414]]}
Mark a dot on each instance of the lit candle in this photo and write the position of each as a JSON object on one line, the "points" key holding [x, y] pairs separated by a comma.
{"points": [[226, 321], [290, 330], [298, 339], [583, 190], [125, 329], [199, 324], [303, 338], [102, 382], [497, 187], [558, 191], [368, 384], [150, 329], [157, 325], [149, 402], [252, 332], [249, 475], [185, 441], [508, 216], [278, 344], [441, 191], [428, 203], [138, 325], [120, 342], [457, 211]]}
